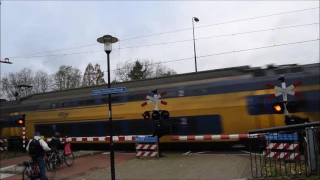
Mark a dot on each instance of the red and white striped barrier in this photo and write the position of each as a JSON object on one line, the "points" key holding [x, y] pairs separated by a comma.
{"points": [[3, 148], [146, 154], [283, 155], [146, 146], [282, 146], [95, 139], [216, 137]]}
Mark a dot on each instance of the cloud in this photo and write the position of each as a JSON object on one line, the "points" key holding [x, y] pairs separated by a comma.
{"points": [[44, 26]]}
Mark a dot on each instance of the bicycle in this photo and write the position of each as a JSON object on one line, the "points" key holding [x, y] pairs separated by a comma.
{"points": [[67, 154], [31, 169]]}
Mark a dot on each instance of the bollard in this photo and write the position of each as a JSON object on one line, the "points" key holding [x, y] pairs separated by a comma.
{"points": [[312, 148]]}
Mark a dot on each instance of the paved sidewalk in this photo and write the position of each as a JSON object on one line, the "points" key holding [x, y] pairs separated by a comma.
{"points": [[176, 167]]}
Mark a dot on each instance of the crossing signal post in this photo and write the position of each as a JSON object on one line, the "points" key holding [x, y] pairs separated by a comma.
{"points": [[285, 107], [156, 115]]}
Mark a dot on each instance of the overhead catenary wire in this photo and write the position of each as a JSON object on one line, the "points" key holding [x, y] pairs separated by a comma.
{"points": [[138, 37], [222, 53], [229, 52], [179, 41]]}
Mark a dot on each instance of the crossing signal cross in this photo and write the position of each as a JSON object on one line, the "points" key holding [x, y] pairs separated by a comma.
{"points": [[285, 106]]}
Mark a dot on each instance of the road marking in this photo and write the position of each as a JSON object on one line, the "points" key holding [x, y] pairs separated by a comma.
{"points": [[120, 152], [5, 175], [186, 153], [8, 167], [203, 152]]}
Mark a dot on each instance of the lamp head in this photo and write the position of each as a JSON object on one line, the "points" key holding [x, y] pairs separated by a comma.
{"points": [[107, 40]]}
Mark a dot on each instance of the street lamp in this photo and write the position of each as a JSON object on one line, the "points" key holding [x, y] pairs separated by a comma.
{"points": [[6, 60], [194, 42], [107, 40]]}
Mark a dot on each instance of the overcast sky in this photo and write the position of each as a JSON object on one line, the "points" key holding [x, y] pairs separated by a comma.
{"points": [[35, 27]]}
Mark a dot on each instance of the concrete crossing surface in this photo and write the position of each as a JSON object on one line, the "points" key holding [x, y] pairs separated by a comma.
{"points": [[202, 165]]}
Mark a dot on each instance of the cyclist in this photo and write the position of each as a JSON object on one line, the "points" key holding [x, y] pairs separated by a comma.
{"points": [[56, 144], [36, 148]]}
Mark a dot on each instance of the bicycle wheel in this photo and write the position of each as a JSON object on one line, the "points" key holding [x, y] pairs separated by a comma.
{"points": [[69, 157], [51, 172], [26, 173]]}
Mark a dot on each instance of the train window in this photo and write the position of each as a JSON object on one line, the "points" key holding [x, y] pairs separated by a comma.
{"points": [[172, 93], [191, 125], [116, 127], [65, 129], [115, 99], [105, 100], [181, 93], [44, 129], [86, 129], [66, 104], [135, 97], [82, 103], [140, 127], [44, 106], [89, 101], [193, 91], [53, 105]]}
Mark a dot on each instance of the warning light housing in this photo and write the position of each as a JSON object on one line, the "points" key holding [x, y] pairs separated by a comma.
{"points": [[156, 115], [165, 114], [21, 120], [146, 115]]}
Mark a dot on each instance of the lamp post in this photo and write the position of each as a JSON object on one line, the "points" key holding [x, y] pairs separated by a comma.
{"points": [[107, 40], [194, 42]]}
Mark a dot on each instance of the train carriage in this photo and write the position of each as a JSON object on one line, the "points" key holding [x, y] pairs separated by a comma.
{"points": [[225, 101]]}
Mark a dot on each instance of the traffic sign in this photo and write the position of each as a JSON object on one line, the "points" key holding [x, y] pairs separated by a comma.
{"points": [[146, 139], [281, 137], [109, 91]]}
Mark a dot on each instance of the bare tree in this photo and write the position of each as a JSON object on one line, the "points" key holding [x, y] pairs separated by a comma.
{"points": [[67, 77], [122, 71], [42, 82], [93, 75], [12, 84], [141, 69], [99, 74], [88, 79]]}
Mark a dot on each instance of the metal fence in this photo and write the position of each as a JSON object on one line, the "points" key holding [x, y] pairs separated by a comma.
{"points": [[288, 152]]}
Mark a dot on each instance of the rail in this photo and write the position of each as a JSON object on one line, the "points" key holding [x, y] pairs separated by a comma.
{"points": [[288, 152]]}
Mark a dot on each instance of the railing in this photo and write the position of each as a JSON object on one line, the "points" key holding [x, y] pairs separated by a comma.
{"points": [[288, 152]]}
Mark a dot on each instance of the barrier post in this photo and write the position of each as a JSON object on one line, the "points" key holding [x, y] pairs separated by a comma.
{"points": [[312, 148], [147, 147], [24, 138]]}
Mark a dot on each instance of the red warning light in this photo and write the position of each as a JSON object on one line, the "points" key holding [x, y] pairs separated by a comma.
{"points": [[277, 108], [20, 121]]}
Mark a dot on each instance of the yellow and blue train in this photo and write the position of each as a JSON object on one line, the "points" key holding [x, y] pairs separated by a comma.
{"points": [[224, 101]]}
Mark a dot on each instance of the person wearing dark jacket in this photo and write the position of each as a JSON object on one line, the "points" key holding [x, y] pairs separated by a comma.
{"points": [[56, 144]]}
